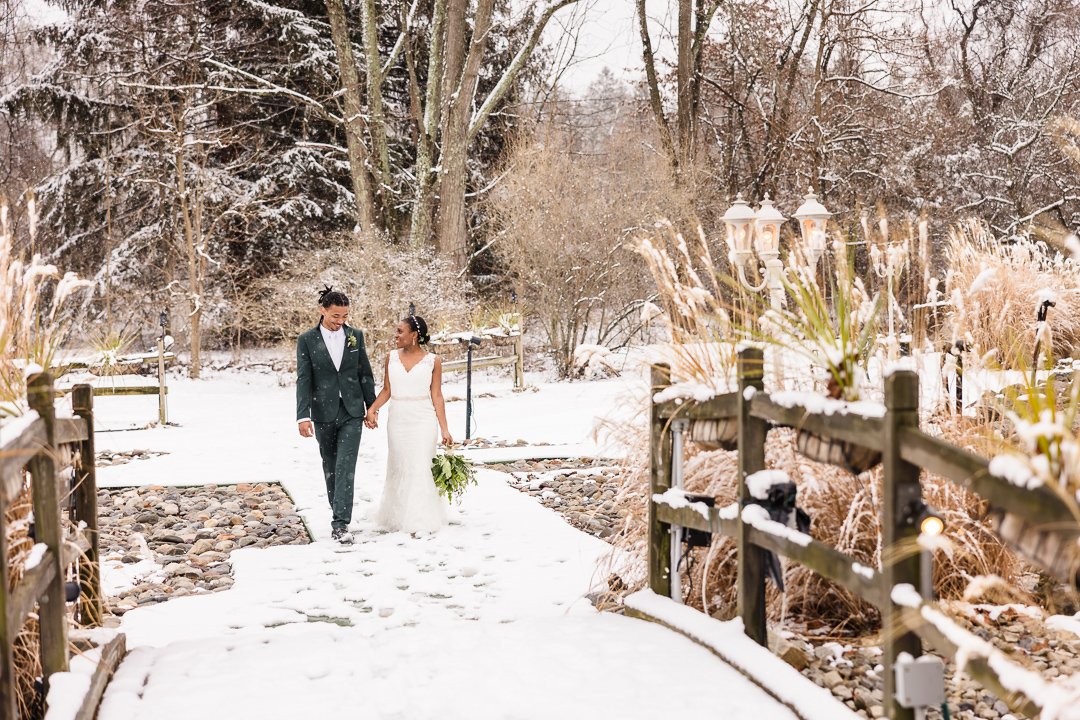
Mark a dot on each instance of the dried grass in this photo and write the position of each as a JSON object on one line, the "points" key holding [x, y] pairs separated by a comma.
{"points": [[26, 647], [34, 317], [845, 512], [998, 311]]}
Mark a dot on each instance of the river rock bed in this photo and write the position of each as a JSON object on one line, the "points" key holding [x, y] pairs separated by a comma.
{"points": [[173, 541], [582, 490], [853, 672]]}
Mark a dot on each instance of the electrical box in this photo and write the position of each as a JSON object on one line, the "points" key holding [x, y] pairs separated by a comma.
{"points": [[920, 683]]}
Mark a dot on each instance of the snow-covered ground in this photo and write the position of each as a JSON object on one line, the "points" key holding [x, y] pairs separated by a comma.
{"points": [[485, 619]]}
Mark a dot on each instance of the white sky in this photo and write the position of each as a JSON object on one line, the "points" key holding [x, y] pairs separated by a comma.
{"points": [[606, 32], [607, 36]]}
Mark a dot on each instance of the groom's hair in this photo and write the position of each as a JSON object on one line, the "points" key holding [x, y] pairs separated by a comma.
{"points": [[418, 324], [329, 296]]}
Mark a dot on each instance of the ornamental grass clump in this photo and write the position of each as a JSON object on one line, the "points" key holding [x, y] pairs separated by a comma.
{"points": [[34, 314]]}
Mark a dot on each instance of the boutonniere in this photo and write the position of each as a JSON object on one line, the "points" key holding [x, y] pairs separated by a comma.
{"points": [[350, 340]]}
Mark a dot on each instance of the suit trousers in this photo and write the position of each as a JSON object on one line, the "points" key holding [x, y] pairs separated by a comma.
{"points": [[339, 443]]}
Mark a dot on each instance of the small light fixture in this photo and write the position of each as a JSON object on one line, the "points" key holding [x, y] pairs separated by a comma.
{"points": [[738, 220], [813, 220], [928, 520], [768, 222], [931, 524]]}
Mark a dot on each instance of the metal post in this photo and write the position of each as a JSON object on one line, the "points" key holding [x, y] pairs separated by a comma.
{"points": [[468, 390], [677, 429], [926, 574], [163, 413]]}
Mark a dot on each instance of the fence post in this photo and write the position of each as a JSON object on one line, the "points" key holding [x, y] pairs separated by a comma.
{"points": [[659, 482], [82, 403], [163, 415], [7, 633], [900, 558], [752, 432], [519, 357], [52, 605]]}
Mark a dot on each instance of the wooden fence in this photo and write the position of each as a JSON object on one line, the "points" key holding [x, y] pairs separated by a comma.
{"points": [[45, 447], [905, 452], [157, 359], [517, 359]]}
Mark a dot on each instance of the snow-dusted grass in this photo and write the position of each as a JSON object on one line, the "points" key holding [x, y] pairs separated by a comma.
{"points": [[485, 619]]}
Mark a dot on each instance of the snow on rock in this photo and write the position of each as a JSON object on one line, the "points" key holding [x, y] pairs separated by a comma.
{"points": [[1064, 623], [749, 392], [676, 498], [819, 405], [758, 483], [758, 517], [729, 641]]}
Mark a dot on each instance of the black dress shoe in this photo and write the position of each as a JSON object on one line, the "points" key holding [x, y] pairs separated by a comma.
{"points": [[342, 536]]}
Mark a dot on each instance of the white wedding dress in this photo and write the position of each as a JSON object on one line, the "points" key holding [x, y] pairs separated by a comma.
{"points": [[410, 502]]}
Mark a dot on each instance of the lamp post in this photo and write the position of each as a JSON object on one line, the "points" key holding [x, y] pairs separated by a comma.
{"points": [[813, 219], [750, 233]]}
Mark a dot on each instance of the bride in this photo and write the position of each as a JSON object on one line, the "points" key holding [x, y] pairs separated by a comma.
{"points": [[412, 383]]}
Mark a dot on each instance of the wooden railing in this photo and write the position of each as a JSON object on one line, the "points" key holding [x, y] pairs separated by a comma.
{"points": [[516, 359], [43, 447], [905, 452]]}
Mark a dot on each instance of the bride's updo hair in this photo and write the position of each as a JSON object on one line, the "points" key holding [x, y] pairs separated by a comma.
{"points": [[329, 296], [418, 324]]}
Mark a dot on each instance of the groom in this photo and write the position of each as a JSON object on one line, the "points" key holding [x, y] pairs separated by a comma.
{"points": [[334, 387]]}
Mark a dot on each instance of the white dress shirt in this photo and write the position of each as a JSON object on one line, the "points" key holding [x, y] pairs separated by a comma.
{"points": [[335, 343]]}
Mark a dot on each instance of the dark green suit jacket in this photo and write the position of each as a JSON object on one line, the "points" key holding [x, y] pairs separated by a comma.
{"points": [[319, 384]]}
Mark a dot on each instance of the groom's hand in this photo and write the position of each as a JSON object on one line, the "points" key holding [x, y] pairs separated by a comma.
{"points": [[307, 429]]}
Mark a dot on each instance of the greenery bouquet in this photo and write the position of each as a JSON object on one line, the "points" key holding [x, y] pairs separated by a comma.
{"points": [[452, 475]]}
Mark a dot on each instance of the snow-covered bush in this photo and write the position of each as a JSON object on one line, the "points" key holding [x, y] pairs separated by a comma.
{"points": [[593, 361]]}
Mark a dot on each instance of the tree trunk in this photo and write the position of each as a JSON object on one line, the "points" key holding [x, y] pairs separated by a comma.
{"points": [[191, 252], [420, 227], [377, 128], [683, 74], [451, 231], [354, 116]]}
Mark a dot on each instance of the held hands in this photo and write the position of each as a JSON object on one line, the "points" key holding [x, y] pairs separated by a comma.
{"points": [[371, 420], [307, 429]]}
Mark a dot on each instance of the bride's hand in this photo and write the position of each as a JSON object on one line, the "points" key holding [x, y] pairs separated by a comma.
{"points": [[446, 439]]}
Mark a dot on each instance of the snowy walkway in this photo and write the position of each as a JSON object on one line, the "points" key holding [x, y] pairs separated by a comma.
{"points": [[484, 620]]}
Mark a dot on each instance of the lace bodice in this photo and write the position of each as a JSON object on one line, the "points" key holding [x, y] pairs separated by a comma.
{"points": [[414, 384]]}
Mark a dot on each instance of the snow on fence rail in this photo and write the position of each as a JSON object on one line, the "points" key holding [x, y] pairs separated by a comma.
{"points": [[40, 445], [1025, 518]]}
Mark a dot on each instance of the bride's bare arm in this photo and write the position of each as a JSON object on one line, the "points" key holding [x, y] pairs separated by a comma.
{"points": [[372, 417], [439, 403]]}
